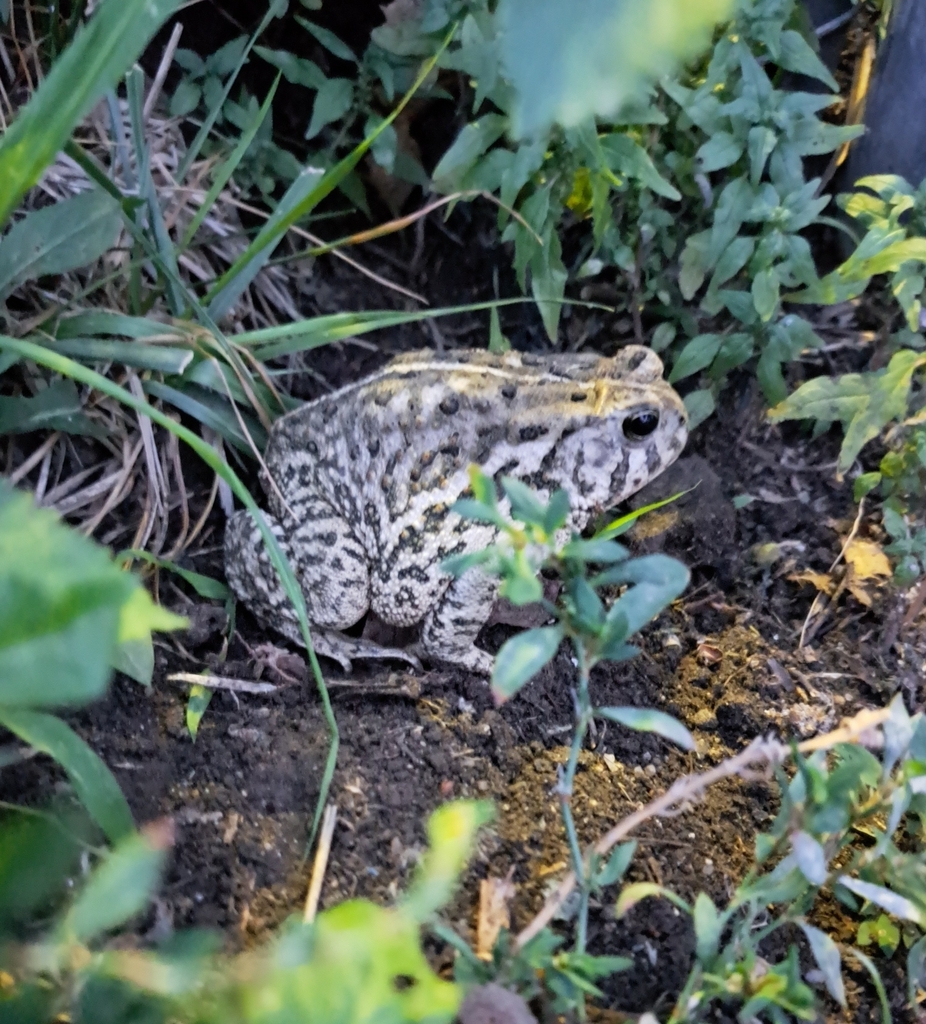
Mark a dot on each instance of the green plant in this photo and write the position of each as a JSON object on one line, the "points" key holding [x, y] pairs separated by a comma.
{"points": [[68, 617], [342, 967], [893, 214], [533, 539], [813, 848]]}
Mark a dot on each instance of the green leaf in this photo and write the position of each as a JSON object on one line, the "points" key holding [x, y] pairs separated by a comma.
{"points": [[732, 208], [721, 150], [765, 287], [892, 902], [916, 969], [863, 402], [102, 50], [865, 484], [60, 600], [205, 586], [810, 857], [694, 264], [119, 888], [498, 343], [197, 702], [699, 405], [523, 587], [185, 98], [568, 62], [138, 618], [557, 512], [623, 523], [735, 350], [332, 102], [657, 580], [696, 355], [297, 70], [93, 782], [548, 281], [588, 609], [733, 259], [58, 238], [708, 926], [483, 486], [476, 510], [56, 407], [456, 565], [328, 39], [452, 832], [598, 550], [38, 853], [357, 964], [796, 54], [632, 894], [650, 720], [624, 156], [227, 57], [474, 140], [617, 864], [760, 143], [162, 358], [525, 505], [521, 658]]}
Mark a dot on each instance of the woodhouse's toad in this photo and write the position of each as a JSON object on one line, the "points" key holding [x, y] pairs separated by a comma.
{"points": [[368, 476]]}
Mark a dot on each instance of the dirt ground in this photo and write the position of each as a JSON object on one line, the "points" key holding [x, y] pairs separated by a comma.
{"points": [[725, 659]]}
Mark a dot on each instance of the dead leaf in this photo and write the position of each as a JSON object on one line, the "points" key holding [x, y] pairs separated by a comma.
{"points": [[867, 559], [857, 590], [494, 896], [817, 579]]}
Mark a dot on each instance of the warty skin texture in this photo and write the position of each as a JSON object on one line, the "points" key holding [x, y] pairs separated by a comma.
{"points": [[368, 476]]}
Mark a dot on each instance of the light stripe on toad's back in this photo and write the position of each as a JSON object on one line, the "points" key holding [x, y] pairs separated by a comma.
{"points": [[369, 474]]}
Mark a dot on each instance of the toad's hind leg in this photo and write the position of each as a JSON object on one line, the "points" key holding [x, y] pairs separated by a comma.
{"points": [[450, 629], [331, 571]]}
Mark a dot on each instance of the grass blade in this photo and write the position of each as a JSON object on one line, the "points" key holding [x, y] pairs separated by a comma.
{"points": [[92, 780], [99, 55], [68, 368], [277, 9], [162, 358], [217, 415], [224, 173], [175, 293], [270, 342], [276, 227]]}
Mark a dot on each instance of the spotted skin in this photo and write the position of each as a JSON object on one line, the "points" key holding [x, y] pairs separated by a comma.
{"points": [[369, 475]]}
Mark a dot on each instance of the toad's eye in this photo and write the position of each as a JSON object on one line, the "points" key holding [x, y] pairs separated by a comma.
{"points": [[641, 425]]}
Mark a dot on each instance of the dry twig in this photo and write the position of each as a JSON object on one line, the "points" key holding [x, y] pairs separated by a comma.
{"points": [[762, 752]]}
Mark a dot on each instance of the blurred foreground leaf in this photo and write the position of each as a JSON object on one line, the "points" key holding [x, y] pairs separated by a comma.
{"points": [[569, 62]]}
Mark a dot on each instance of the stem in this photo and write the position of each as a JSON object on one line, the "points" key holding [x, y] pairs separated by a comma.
{"points": [[565, 791]]}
